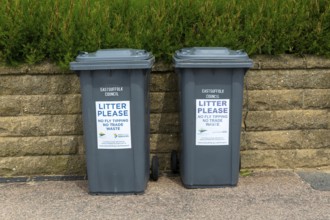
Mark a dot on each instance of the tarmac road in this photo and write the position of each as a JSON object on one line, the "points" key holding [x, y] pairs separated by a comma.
{"points": [[263, 195]]}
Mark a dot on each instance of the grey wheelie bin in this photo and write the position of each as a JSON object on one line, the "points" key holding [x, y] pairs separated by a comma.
{"points": [[211, 93], [115, 107]]}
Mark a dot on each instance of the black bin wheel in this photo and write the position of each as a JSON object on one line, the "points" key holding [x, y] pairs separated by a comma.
{"points": [[174, 162], [154, 168]]}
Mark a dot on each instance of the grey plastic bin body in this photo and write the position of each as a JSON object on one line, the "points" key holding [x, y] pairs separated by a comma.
{"points": [[211, 90], [114, 88]]}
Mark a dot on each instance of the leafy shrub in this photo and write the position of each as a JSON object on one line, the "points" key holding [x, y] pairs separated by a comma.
{"points": [[35, 30]]}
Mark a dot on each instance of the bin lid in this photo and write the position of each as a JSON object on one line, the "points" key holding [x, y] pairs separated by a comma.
{"points": [[113, 59], [211, 57]]}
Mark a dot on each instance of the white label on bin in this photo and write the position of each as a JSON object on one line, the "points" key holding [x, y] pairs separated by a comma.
{"points": [[212, 122], [113, 123]]}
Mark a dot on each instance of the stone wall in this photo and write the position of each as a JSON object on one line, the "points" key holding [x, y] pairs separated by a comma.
{"points": [[286, 119], [40, 122]]}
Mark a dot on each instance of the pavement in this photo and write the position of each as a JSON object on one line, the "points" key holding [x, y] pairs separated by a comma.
{"points": [[261, 195]]}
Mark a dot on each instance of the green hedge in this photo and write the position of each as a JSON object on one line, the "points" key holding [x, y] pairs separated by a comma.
{"points": [[35, 30]]}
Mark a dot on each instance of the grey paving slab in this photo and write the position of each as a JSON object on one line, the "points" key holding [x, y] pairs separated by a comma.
{"points": [[317, 180]]}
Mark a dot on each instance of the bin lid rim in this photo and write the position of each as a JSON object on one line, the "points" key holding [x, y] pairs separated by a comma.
{"points": [[120, 54], [210, 53], [112, 64]]}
